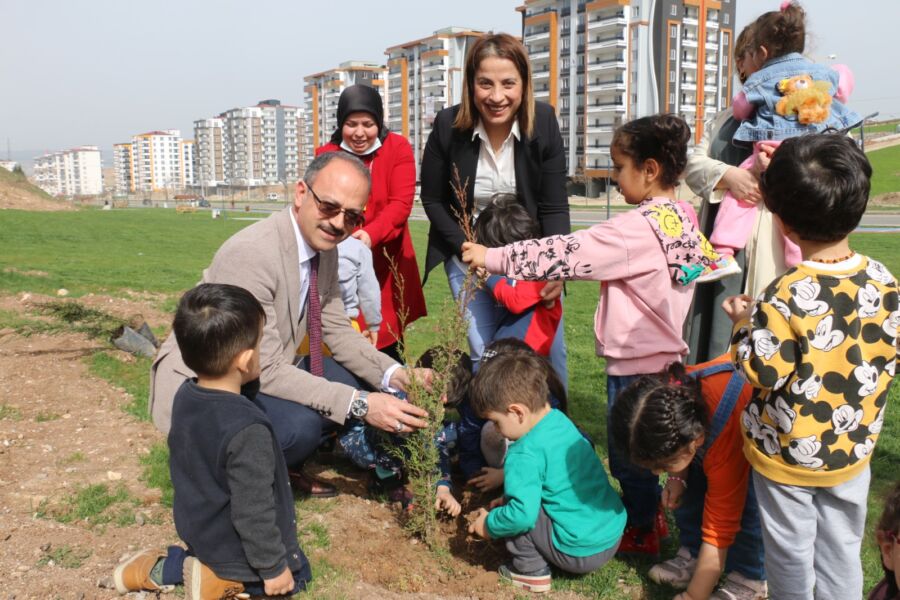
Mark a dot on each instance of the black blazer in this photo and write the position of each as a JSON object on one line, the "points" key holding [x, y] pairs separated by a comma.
{"points": [[540, 166]]}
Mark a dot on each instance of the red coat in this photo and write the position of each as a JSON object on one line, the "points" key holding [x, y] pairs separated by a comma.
{"points": [[393, 170]]}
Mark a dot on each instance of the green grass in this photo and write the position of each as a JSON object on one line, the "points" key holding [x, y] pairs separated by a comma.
{"points": [[10, 412], [879, 128], [43, 417], [94, 505], [885, 170], [161, 252], [133, 376], [66, 557]]}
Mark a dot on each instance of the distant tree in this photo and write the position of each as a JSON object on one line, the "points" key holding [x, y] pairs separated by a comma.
{"points": [[18, 170]]}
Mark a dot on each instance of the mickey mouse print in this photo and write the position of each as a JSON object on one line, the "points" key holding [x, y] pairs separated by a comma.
{"points": [[820, 349]]}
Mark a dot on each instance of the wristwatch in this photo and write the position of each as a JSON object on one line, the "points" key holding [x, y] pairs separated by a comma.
{"points": [[359, 406]]}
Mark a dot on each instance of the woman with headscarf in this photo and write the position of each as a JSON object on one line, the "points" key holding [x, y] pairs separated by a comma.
{"points": [[361, 131]]}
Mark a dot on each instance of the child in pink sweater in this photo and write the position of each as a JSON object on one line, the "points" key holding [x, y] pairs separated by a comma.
{"points": [[646, 261]]}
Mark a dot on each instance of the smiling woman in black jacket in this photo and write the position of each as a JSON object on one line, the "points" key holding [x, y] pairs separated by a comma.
{"points": [[502, 141]]}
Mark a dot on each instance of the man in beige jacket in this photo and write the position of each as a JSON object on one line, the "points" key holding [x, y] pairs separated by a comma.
{"points": [[272, 259]]}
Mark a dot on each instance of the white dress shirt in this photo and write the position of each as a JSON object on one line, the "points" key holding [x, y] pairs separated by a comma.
{"points": [[496, 171]]}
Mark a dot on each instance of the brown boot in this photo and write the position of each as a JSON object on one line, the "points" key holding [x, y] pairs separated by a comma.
{"points": [[200, 583], [133, 573]]}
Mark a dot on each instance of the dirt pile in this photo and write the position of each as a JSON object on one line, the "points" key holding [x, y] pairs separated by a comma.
{"points": [[17, 192]]}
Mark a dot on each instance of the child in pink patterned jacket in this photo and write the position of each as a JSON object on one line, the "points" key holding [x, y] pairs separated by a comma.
{"points": [[646, 261]]}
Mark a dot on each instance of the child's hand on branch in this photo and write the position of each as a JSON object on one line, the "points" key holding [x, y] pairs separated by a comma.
{"points": [[446, 502], [737, 307], [478, 526], [473, 254], [488, 479]]}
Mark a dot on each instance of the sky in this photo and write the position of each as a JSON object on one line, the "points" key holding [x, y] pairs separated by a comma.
{"points": [[96, 72]]}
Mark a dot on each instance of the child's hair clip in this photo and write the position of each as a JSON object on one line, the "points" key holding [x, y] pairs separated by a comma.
{"points": [[488, 354], [784, 5]]}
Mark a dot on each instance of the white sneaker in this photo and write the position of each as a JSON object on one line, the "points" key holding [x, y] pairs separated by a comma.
{"points": [[722, 268], [676, 571], [738, 587]]}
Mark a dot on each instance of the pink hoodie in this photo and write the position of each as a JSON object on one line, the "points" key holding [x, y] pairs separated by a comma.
{"points": [[641, 310]]}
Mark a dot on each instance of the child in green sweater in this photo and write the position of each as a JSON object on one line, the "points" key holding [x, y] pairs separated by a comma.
{"points": [[557, 506]]}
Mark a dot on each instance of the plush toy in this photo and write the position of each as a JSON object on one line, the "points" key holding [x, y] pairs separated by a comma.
{"points": [[809, 100]]}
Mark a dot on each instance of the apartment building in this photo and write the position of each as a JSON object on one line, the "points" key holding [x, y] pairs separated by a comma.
{"points": [[249, 146], [321, 92], [603, 62], [423, 77], [75, 172], [155, 160]]}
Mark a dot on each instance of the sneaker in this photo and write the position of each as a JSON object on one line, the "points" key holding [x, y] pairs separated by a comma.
{"points": [[637, 541], [200, 583], [676, 571], [722, 268], [537, 581], [133, 573], [661, 524], [738, 587]]}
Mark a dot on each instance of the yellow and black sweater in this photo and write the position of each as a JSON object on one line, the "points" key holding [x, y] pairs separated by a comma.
{"points": [[821, 350]]}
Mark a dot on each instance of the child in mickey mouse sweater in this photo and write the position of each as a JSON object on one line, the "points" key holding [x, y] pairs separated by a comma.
{"points": [[820, 347]]}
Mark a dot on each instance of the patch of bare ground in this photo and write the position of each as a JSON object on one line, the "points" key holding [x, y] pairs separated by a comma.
{"points": [[61, 429], [889, 199]]}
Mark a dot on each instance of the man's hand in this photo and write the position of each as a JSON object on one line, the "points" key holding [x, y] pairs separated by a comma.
{"points": [[281, 585], [446, 502], [763, 158], [742, 184], [400, 378], [362, 236], [394, 415], [473, 254], [737, 307], [489, 479], [478, 526]]}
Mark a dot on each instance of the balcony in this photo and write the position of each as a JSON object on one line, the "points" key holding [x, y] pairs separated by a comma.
{"points": [[542, 55], [607, 86], [602, 22], [712, 67], [688, 107], [609, 41], [689, 63], [712, 45], [606, 107], [540, 74], [432, 67], [598, 129], [598, 151], [689, 86], [691, 21], [600, 66], [537, 36], [435, 82], [712, 24], [689, 42]]}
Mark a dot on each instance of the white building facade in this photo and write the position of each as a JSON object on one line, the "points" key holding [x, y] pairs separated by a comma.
{"points": [[603, 62], [250, 146], [153, 161], [423, 77], [75, 172]]}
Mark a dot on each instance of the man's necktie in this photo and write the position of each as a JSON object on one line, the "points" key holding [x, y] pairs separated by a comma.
{"points": [[314, 319]]}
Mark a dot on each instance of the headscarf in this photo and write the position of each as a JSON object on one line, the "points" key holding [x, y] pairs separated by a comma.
{"points": [[360, 98]]}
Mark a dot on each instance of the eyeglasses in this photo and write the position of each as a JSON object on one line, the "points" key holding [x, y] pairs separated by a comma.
{"points": [[329, 210]]}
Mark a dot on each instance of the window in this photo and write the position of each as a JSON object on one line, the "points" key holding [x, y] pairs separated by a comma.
{"points": [[673, 54], [724, 60], [726, 18], [672, 76], [674, 10], [673, 31]]}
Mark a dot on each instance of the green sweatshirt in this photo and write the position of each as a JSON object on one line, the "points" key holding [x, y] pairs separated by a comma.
{"points": [[554, 467]]}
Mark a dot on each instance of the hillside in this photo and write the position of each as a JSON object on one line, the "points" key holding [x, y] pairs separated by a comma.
{"points": [[18, 193]]}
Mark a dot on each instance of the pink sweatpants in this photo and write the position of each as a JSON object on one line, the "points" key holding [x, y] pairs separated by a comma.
{"points": [[735, 220]]}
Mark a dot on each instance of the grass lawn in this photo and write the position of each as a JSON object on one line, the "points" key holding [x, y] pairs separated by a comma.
{"points": [[885, 170], [161, 252]]}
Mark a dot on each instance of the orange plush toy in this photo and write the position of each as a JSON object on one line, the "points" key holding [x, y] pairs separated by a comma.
{"points": [[809, 100]]}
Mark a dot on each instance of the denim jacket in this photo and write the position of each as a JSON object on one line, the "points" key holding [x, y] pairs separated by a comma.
{"points": [[761, 91]]}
